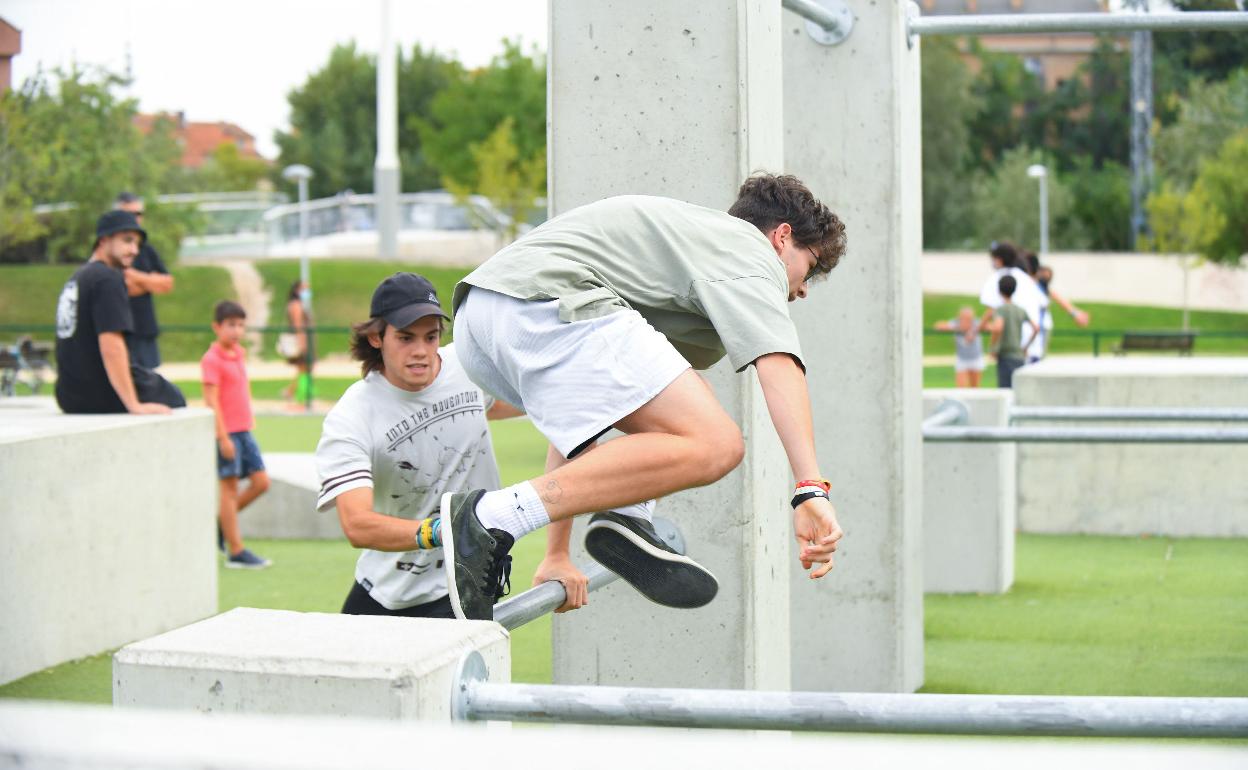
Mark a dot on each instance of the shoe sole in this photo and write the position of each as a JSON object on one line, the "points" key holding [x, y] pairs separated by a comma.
{"points": [[665, 578], [448, 556], [230, 565]]}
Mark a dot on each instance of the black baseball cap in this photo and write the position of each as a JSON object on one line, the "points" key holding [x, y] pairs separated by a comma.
{"points": [[118, 221], [405, 298]]}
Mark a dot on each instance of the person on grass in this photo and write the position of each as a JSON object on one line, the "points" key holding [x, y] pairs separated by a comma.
{"points": [[227, 392], [94, 371], [968, 365], [412, 429], [1007, 333], [596, 320]]}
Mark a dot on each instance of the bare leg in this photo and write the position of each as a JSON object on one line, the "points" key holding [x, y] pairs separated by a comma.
{"points": [[973, 377], [962, 379], [258, 485], [227, 514], [682, 438]]}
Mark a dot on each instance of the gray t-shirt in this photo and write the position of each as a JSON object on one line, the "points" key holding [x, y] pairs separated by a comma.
{"points": [[967, 351], [709, 282], [409, 448]]}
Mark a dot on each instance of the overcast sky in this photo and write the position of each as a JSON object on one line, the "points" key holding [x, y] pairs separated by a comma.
{"points": [[235, 60]]}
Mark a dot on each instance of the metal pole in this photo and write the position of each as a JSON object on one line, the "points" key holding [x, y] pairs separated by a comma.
{"points": [[948, 412], [1138, 414], [1044, 216], [856, 712], [1031, 23], [1088, 435], [305, 293], [386, 180]]}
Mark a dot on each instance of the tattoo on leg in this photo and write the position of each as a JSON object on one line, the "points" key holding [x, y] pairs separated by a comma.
{"points": [[553, 493]]}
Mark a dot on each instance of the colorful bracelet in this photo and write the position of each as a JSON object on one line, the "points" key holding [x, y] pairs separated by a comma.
{"points": [[823, 484]]}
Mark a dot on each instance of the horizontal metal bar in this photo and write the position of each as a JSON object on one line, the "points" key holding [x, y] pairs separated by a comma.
{"points": [[1031, 23], [545, 598], [859, 712], [1129, 413], [1088, 435], [812, 11], [948, 412]]}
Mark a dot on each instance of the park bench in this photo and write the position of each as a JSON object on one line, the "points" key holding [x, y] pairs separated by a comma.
{"points": [[1180, 342]]}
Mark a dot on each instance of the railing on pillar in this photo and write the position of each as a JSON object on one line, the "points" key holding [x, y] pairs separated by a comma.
{"points": [[1031, 23]]}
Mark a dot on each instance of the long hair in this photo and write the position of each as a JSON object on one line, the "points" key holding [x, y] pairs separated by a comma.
{"points": [[362, 350]]}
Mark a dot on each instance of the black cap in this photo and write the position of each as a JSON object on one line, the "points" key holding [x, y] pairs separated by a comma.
{"points": [[405, 298], [118, 221]]}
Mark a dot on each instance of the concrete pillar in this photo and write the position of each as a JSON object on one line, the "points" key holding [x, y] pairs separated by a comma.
{"points": [[969, 500], [851, 118], [682, 100]]}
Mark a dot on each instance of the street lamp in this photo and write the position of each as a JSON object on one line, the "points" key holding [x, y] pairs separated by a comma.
{"points": [[300, 174], [1038, 171]]}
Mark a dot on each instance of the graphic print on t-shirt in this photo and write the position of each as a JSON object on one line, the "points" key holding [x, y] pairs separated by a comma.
{"points": [[466, 402], [67, 310], [418, 486]]}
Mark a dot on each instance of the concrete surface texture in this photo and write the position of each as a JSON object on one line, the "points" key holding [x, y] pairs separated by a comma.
{"points": [[969, 501], [1134, 489], [278, 662], [288, 510], [106, 530], [852, 133], [46, 735], [1126, 279], [680, 100]]}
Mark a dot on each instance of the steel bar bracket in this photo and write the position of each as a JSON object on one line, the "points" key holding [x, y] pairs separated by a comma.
{"points": [[471, 669], [837, 14]]}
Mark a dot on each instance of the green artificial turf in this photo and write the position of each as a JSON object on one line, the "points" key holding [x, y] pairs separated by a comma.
{"points": [[326, 388]]}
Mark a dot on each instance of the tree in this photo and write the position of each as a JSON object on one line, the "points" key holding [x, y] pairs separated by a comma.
{"points": [[476, 103], [1223, 185], [1006, 93], [71, 140], [1101, 203], [228, 171], [333, 119], [947, 101], [511, 183], [1212, 113], [1006, 203]]}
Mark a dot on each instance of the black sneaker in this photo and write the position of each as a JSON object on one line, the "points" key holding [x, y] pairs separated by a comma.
{"points": [[629, 547], [478, 567], [245, 559]]}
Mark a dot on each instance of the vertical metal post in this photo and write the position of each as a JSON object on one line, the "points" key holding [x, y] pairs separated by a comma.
{"points": [[1141, 123], [305, 293], [386, 169], [1044, 217]]}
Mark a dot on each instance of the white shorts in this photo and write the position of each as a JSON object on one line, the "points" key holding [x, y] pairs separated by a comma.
{"points": [[976, 365], [575, 380]]}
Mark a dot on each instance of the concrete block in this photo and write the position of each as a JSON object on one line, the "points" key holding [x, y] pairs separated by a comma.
{"points": [[851, 125], [1182, 490], [681, 100], [969, 501], [288, 510], [278, 662], [107, 530]]}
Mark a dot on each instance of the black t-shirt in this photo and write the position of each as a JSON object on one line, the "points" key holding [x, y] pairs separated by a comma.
{"points": [[93, 301], [142, 308]]}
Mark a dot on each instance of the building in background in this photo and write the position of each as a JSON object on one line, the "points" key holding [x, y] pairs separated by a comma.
{"points": [[199, 140], [10, 46], [1051, 57]]}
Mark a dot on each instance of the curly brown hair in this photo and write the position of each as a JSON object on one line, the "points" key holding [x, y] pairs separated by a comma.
{"points": [[766, 200]]}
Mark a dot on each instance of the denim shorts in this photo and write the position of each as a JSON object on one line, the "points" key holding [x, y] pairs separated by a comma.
{"points": [[246, 460]]}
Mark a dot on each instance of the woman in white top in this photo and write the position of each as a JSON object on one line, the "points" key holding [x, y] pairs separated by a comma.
{"points": [[1006, 261]]}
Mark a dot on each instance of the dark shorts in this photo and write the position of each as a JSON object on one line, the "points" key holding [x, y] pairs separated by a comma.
{"points": [[360, 603], [246, 460], [143, 351], [1005, 371]]}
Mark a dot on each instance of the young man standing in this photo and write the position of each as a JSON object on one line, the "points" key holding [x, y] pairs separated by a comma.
{"points": [[413, 428], [147, 276], [93, 368], [594, 320]]}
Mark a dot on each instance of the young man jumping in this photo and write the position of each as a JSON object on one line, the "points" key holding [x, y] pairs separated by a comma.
{"points": [[594, 321]]}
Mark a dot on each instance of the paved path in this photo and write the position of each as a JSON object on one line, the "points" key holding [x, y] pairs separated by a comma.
{"points": [[252, 295]]}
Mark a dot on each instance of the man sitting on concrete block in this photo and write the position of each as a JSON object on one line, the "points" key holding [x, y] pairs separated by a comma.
{"points": [[93, 369], [412, 429], [594, 320]]}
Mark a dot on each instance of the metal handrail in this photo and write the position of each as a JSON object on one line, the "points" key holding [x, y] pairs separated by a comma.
{"points": [[991, 434], [1129, 413], [1032, 23], [473, 698]]}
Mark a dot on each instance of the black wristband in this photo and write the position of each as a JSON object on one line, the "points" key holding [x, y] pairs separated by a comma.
{"points": [[804, 496]]}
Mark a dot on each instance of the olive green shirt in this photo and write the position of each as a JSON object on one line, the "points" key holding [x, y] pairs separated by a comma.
{"points": [[1012, 319], [709, 282]]}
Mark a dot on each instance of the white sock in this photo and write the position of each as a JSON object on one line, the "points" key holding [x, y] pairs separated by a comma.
{"points": [[517, 510], [638, 511]]}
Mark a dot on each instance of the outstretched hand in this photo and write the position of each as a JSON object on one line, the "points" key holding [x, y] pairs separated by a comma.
{"points": [[817, 533], [575, 584]]}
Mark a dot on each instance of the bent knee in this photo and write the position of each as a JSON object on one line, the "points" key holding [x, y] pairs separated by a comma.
{"points": [[260, 483], [723, 450]]}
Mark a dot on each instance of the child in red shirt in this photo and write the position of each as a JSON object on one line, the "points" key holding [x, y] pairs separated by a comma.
{"points": [[228, 393]]}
